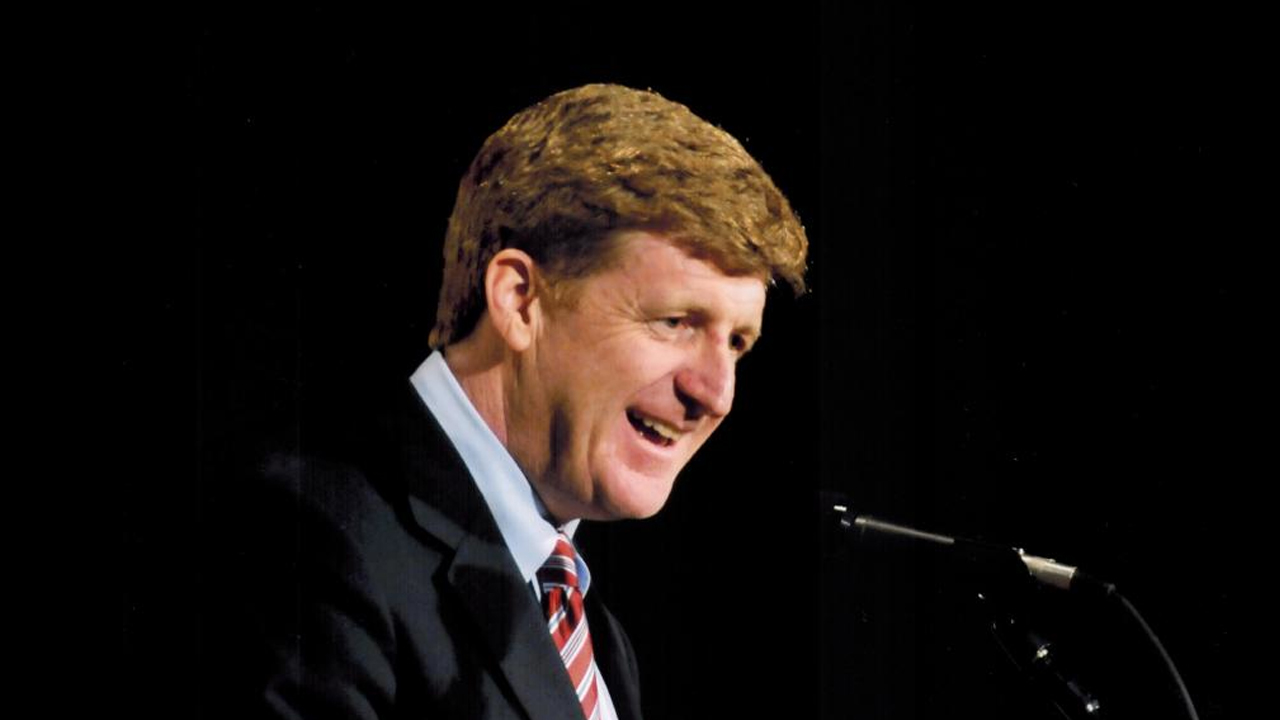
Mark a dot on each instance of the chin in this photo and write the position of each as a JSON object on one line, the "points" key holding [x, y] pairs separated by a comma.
{"points": [[637, 503], [631, 512], [639, 512]]}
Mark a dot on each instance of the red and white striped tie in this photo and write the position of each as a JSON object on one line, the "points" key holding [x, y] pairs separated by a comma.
{"points": [[567, 622]]}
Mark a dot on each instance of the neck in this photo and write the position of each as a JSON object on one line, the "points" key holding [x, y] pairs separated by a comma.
{"points": [[477, 365]]}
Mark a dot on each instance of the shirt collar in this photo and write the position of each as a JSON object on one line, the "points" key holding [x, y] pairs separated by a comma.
{"points": [[520, 514]]}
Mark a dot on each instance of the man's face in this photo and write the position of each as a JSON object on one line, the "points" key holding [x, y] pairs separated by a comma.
{"points": [[624, 383]]}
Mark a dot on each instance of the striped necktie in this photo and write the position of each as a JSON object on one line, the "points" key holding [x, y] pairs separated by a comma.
{"points": [[562, 602]]}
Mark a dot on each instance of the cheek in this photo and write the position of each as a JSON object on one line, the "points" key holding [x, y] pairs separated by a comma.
{"points": [[649, 362], [630, 371]]}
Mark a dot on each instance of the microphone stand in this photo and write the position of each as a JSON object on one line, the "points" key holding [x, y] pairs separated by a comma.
{"points": [[1001, 579], [1028, 646]]}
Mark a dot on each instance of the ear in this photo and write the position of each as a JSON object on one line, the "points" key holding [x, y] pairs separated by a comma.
{"points": [[511, 297]]}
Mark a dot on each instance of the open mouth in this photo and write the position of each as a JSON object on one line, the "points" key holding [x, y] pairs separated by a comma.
{"points": [[655, 431]]}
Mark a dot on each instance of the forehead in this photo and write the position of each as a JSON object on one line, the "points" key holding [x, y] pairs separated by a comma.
{"points": [[636, 245], [660, 270]]}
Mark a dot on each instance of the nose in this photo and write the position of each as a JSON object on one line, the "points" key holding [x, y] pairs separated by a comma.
{"points": [[705, 383]]}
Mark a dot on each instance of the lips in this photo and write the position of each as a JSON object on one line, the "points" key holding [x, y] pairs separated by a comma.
{"points": [[654, 430]]}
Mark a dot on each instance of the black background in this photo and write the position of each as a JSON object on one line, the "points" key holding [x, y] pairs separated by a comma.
{"points": [[1027, 320]]}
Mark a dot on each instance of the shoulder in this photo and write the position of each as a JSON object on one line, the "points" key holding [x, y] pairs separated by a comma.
{"points": [[345, 463], [328, 495]]}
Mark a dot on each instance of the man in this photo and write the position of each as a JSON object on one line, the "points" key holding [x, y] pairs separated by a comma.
{"points": [[606, 266]]}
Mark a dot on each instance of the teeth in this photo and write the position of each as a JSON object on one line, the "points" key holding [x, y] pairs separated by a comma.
{"points": [[666, 431]]}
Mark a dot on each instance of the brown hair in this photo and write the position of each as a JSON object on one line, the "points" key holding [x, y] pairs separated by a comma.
{"points": [[563, 175]]}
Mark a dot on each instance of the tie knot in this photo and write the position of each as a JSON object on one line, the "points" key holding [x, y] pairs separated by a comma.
{"points": [[561, 569]]}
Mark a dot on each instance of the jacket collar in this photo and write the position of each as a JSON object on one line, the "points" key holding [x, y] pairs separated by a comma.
{"points": [[444, 502]]}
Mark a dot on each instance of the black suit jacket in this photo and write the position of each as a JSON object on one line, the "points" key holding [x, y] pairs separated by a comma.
{"points": [[360, 574]]}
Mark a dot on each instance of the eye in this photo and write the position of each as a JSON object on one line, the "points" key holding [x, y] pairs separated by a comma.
{"points": [[671, 322], [672, 326], [742, 342]]}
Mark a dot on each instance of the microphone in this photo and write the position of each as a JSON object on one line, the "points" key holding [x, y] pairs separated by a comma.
{"points": [[1047, 571], [1019, 642]]}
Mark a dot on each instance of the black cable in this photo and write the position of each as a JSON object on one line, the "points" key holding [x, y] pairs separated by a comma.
{"points": [[1168, 661]]}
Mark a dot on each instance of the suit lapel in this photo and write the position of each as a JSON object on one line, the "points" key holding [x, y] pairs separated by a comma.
{"points": [[445, 502], [513, 627], [615, 659]]}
